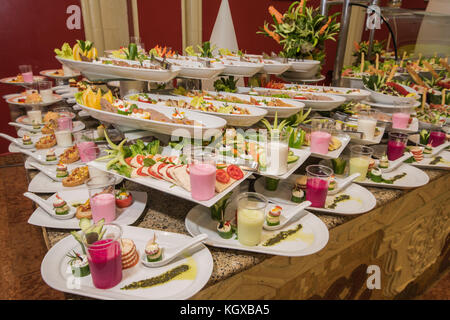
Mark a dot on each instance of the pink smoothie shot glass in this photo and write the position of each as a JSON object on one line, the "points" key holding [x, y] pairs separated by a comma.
{"points": [[400, 120], [203, 180], [87, 151], [103, 206], [320, 141], [65, 123]]}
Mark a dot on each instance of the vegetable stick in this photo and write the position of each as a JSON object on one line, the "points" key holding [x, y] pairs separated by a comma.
{"points": [[377, 61], [403, 58], [415, 76], [445, 64], [443, 96], [391, 75], [362, 62], [430, 68], [424, 98], [418, 60], [388, 43]]}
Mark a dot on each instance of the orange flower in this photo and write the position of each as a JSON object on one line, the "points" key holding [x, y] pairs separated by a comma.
{"points": [[272, 34], [274, 12], [322, 30], [356, 45], [301, 5]]}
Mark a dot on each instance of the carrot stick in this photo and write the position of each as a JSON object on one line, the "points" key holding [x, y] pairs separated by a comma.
{"points": [[377, 61], [430, 68], [362, 62], [391, 75], [443, 96]]}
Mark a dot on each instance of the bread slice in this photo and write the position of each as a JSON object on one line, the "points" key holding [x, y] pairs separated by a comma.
{"points": [[222, 186], [182, 177]]}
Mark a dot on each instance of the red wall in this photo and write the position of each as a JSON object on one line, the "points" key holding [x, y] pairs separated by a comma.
{"points": [[29, 31]]}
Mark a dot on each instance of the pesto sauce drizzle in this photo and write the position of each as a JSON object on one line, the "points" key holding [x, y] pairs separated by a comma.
{"points": [[163, 278], [336, 200], [281, 236], [436, 160]]}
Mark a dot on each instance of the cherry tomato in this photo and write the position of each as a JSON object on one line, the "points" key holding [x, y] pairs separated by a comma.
{"points": [[222, 176], [235, 172]]}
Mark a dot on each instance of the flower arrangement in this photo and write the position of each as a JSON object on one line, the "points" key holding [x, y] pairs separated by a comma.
{"points": [[364, 47], [301, 31]]}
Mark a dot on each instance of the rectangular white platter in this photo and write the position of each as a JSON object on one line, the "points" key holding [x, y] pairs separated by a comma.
{"points": [[125, 216], [57, 274], [345, 139], [444, 164], [357, 94]]}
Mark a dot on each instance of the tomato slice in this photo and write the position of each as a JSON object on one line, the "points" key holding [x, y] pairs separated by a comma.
{"points": [[167, 171], [162, 165], [154, 175], [222, 176], [140, 173], [235, 172], [128, 161], [140, 159]]}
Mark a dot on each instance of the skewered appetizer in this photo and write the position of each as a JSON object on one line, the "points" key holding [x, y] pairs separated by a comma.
{"points": [[153, 251], [51, 156], [225, 230], [61, 170], [332, 184], [26, 140], [417, 153], [79, 264], [375, 175], [298, 195], [273, 216], [60, 206]]}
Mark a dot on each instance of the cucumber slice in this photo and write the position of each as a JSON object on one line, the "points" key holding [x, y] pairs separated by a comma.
{"points": [[292, 158], [262, 160], [98, 226], [85, 224]]}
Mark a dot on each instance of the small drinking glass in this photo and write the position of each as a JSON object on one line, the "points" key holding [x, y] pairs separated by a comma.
{"points": [[45, 90], [250, 217], [400, 117], [84, 141], [367, 124], [277, 153], [321, 129], [437, 138], [202, 173], [396, 145], [102, 197], [360, 161], [318, 179], [27, 72], [104, 256]]}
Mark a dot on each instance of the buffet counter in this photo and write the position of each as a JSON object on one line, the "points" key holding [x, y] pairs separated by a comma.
{"points": [[406, 235]]}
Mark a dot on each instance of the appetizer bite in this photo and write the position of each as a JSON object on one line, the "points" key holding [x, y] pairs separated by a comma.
{"points": [[332, 183], [61, 170], [273, 216], [428, 150], [417, 153], [51, 156], [384, 162], [26, 140], [153, 251], [76, 177], [130, 256], [70, 155], [46, 142], [60, 206], [79, 264], [375, 175], [225, 230], [124, 198], [84, 211]]}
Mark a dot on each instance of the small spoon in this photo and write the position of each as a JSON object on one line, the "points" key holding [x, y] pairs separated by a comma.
{"points": [[17, 141], [169, 257], [344, 183], [46, 171], [24, 126], [438, 149], [290, 214], [49, 209], [396, 163]]}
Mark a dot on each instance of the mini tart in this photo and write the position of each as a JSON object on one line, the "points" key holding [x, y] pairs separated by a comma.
{"points": [[26, 140], [80, 268], [273, 217], [375, 175], [123, 109], [224, 229], [153, 251], [298, 195], [384, 162]]}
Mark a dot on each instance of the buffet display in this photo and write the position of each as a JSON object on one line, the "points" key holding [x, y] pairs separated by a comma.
{"points": [[202, 145]]}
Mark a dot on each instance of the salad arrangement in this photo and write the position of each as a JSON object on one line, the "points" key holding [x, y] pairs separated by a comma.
{"points": [[81, 51]]}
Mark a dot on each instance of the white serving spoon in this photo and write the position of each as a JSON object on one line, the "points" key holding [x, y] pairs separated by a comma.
{"points": [[285, 217], [38, 158], [17, 142], [48, 208], [49, 173], [24, 126], [169, 256], [396, 163], [341, 185], [438, 149]]}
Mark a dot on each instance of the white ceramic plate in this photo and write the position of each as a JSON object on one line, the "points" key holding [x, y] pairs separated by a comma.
{"points": [[50, 74], [313, 236], [444, 164], [77, 126], [107, 71], [25, 120], [389, 99], [125, 216], [14, 100], [312, 79], [282, 112], [43, 184], [239, 68], [345, 139], [55, 271], [361, 199], [240, 120], [302, 154], [414, 178], [357, 94], [320, 105], [303, 65], [211, 124], [9, 80], [375, 140], [171, 188], [390, 105], [193, 70]]}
